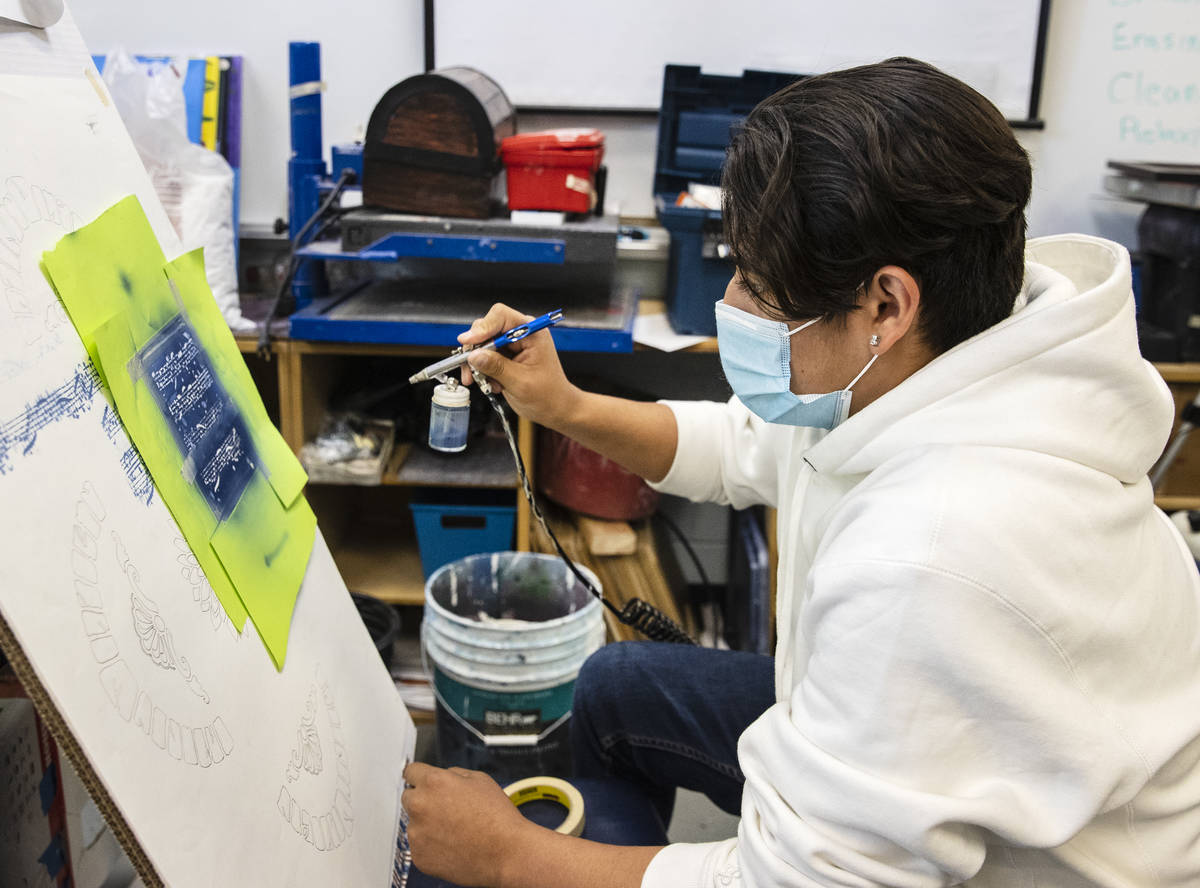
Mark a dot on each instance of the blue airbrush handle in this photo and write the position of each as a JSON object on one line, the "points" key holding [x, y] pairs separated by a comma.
{"points": [[508, 337], [516, 334]]}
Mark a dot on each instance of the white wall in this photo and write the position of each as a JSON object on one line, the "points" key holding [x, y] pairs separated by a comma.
{"points": [[365, 48], [1098, 53]]}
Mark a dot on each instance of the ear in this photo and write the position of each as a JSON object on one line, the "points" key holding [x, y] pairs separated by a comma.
{"points": [[890, 305]]}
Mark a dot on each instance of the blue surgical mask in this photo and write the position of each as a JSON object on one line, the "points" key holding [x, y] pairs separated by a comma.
{"points": [[756, 355]]}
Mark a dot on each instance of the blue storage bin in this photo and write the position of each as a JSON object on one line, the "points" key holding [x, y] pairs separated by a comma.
{"points": [[695, 123], [696, 275], [454, 524]]}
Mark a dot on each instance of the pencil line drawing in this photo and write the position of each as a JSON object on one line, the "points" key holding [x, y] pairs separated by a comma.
{"points": [[202, 590], [201, 746], [307, 754], [24, 206], [156, 640], [333, 824]]}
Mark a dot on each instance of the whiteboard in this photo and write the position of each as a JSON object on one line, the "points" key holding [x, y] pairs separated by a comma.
{"points": [[1122, 82], [545, 53]]}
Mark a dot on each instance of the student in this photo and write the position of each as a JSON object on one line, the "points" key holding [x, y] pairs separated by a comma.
{"points": [[988, 665]]}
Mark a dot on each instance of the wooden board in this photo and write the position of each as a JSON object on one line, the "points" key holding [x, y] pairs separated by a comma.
{"points": [[607, 537]]}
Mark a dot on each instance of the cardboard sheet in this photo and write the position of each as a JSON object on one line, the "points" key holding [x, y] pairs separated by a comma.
{"points": [[211, 766], [184, 395]]}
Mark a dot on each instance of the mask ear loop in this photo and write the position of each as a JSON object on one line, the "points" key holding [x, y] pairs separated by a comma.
{"points": [[874, 338], [875, 357], [873, 342], [802, 326]]}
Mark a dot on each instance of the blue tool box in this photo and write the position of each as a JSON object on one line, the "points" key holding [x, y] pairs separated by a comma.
{"points": [[695, 123]]}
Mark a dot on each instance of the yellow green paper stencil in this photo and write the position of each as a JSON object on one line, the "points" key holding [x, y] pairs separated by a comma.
{"points": [[189, 404]]}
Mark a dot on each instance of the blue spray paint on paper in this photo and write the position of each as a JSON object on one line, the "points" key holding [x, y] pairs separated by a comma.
{"points": [[137, 475], [207, 426], [402, 862], [111, 423], [136, 472], [72, 399]]}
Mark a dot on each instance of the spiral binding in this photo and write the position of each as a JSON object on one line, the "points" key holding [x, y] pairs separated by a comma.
{"points": [[641, 615]]}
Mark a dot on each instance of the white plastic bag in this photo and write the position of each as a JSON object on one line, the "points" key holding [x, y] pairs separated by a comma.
{"points": [[194, 184]]}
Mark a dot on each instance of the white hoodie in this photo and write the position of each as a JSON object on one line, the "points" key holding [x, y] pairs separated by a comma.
{"points": [[988, 666]]}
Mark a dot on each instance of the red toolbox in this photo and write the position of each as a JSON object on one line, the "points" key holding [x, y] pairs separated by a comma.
{"points": [[553, 169]]}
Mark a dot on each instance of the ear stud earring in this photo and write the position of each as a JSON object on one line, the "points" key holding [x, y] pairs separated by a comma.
{"points": [[874, 339]]}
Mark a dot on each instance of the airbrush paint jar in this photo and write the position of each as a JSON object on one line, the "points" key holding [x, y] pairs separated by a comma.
{"points": [[448, 417]]}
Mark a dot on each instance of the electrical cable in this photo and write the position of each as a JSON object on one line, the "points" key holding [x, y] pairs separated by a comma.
{"points": [[718, 620], [679, 535], [293, 261], [641, 615]]}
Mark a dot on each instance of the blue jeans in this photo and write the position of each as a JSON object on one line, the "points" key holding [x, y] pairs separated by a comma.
{"points": [[668, 715]]}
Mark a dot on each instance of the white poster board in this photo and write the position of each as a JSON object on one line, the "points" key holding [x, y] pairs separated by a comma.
{"points": [[212, 767]]}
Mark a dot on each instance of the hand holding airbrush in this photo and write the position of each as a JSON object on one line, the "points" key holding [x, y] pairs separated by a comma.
{"points": [[462, 354]]}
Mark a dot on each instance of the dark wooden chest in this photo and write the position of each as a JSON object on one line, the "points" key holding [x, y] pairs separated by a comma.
{"points": [[432, 144]]}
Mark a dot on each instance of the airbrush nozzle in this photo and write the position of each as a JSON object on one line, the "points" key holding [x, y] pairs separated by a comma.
{"points": [[433, 371]]}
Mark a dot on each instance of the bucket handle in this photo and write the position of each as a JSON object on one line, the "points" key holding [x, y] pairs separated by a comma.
{"points": [[486, 739]]}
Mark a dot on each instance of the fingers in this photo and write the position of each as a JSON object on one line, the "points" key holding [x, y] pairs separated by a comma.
{"points": [[468, 377], [498, 319], [490, 363], [416, 773], [417, 777]]}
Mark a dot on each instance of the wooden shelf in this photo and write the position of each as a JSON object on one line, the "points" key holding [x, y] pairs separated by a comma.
{"points": [[422, 716], [1179, 372], [486, 463], [384, 566], [1173, 503]]}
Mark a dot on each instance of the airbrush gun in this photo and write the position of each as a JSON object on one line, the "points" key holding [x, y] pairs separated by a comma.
{"points": [[460, 354], [450, 409]]}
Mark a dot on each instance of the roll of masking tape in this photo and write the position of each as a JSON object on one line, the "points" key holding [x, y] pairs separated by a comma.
{"points": [[550, 789]]}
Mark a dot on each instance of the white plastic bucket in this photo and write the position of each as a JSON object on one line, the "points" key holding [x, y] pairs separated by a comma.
{"points": [[505, 634]]}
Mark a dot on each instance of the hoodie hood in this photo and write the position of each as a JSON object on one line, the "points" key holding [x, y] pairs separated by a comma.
{"points": [[1066, 361]]}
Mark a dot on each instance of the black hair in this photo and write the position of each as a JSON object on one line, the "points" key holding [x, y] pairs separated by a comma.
{"points": [[897, 163]]}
